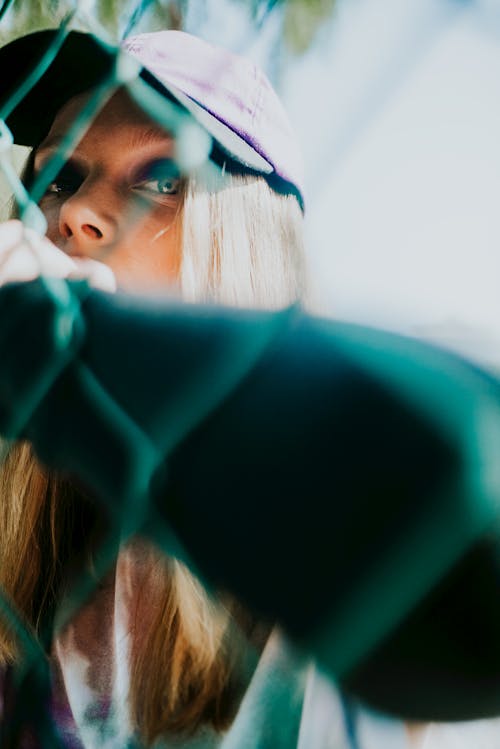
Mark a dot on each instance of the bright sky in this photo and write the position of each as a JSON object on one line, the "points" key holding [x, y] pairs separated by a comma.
{"points": [[404, 193], [398, 109]]}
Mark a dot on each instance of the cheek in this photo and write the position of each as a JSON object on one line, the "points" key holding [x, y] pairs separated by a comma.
{"points": [[152, 252]]}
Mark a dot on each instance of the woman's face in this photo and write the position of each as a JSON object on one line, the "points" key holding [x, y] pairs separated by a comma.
{"points": [[118, 197]]}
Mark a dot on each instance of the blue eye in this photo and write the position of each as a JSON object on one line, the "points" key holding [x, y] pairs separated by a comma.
{"points": [[163, 186], [159, 178]]}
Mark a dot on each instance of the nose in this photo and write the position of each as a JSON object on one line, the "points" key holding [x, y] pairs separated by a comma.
{"points": [[88, 222]]}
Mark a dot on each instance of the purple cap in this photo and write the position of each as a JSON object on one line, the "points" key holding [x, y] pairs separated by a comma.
{"points": [[227, 94]]}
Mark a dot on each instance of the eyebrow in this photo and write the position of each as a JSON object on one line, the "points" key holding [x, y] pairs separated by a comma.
{"points": [[46, 152], [151, 135]]}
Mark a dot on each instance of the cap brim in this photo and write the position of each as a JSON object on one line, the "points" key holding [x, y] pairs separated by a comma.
{"points": [[81, 63], [235, 147]]}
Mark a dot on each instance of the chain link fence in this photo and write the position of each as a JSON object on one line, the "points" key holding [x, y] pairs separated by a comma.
{"points": [[28, 684]]}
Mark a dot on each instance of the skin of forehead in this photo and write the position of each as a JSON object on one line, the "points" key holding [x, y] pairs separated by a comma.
{"points": [[119, 112]]}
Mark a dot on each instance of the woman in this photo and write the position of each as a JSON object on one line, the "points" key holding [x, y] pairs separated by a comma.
{"points": [[149, 654]]}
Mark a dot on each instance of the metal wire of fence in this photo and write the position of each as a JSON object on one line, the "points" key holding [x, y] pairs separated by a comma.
{"points": [[30, 681]]}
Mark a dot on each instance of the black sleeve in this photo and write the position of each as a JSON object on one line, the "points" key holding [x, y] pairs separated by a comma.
{"points": [[330, 475]]}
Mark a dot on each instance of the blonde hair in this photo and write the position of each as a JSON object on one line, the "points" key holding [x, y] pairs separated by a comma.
{"points": [[252, 254], [242, 245]]}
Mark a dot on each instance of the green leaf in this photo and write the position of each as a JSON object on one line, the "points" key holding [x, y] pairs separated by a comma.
{"points": [[302, 21]]}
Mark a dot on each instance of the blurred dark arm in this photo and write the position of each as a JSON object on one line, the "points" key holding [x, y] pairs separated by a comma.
{"points": [[332, 476]]}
